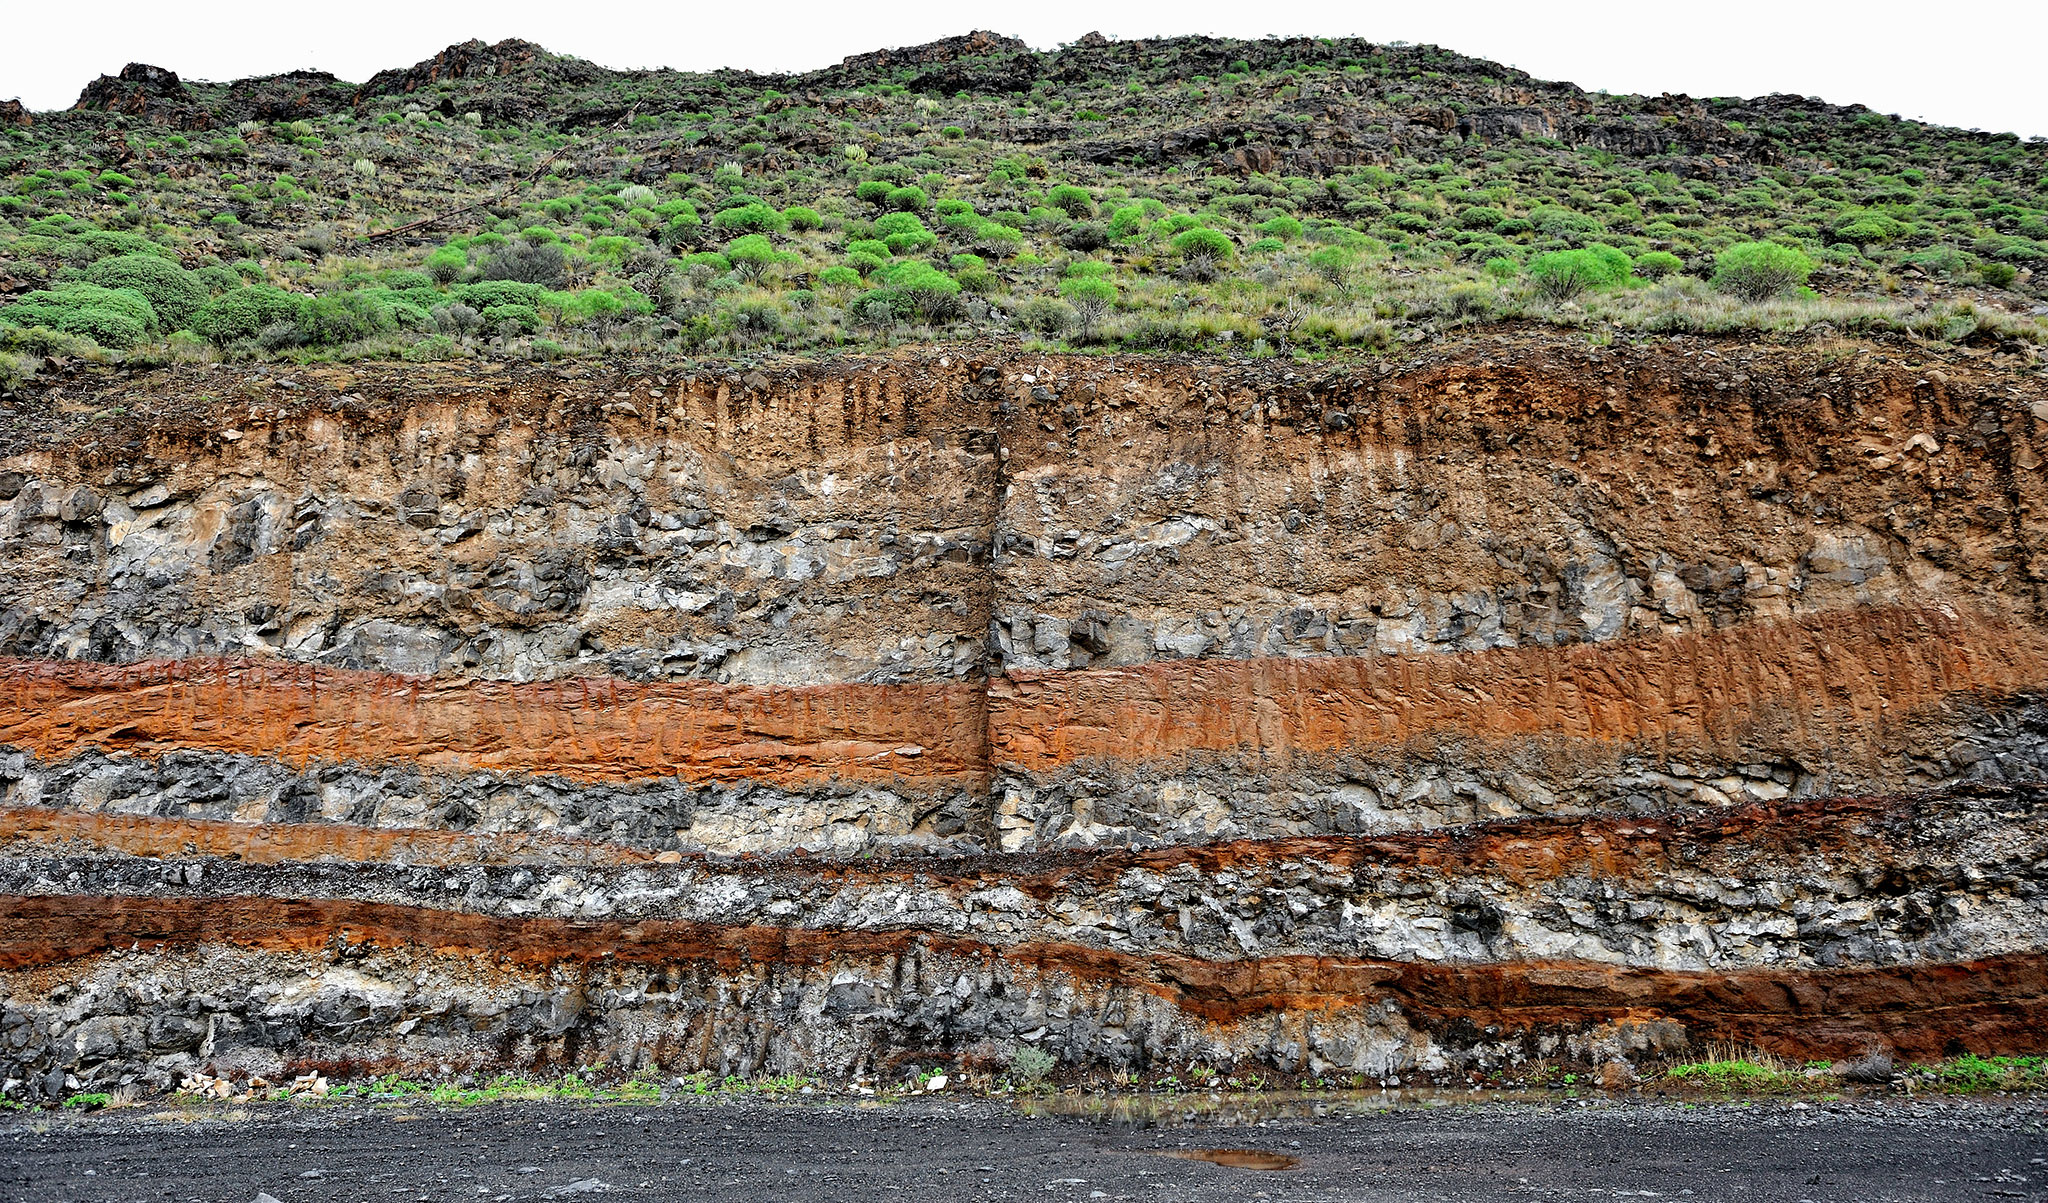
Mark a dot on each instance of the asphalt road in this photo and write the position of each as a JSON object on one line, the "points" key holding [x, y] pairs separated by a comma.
{"points": [[961, 1150]]}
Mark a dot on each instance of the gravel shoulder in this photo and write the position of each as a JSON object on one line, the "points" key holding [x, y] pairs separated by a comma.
{"points": [[1864, 1152]]}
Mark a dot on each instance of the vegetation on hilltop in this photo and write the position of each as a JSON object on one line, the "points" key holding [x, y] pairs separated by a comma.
{"points": [[1285, 196]]}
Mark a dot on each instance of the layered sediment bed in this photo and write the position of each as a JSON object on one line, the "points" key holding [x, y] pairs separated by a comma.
{"points": [[1531, 700]]}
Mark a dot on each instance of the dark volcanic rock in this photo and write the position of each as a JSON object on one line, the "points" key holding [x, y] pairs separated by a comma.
{"points": [[464, 60], [139, 89]]}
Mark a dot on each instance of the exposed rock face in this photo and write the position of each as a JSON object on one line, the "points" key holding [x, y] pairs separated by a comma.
{"points": [[134, 92], [979, 43], [1532, 701], [464, 60]]}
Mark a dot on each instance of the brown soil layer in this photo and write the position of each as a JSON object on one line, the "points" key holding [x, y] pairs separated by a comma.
{"points": [[1921, 1010]]}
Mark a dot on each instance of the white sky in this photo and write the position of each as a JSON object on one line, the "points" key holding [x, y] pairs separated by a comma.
{"points": [[1969, 65]]}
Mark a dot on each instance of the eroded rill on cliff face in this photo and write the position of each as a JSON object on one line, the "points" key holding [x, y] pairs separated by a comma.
{"points": [[1532, 700]]}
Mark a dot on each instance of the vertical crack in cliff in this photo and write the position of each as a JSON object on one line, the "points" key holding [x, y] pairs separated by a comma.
{"points": [[1516, 703]]}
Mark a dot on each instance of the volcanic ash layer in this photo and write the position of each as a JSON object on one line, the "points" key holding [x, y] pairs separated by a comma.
{"points": [[1530, 701]]}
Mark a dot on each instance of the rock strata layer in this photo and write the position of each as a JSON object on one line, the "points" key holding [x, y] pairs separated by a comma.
{"points": [[1530, 701]]}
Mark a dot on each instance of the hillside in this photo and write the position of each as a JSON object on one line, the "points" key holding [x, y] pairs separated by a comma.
{"points": [[1355, 197]]}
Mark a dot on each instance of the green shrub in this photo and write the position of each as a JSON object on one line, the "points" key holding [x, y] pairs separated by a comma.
{"points": [[244, 313], [1757, 271], [1129, 221], [1265, 246], [1045, 315], [1556, 221], [880, 307], [994, 238], [1865, 227], [930, 292], [1029, 1066], [217, 278], [753, 254], [1073, 201], [908, 200], [1503, 268], [170, 290], [869, 246], [839, 277], [711, 259], [429, 349], [1332, 263], [1562, 275], [904, 233], [1655, 265], [753, 218], [343, 318], [486, 293], [753, 317], [111, 317], [103, 243], [801, 217], [1480, 217], [578, 308], [683, 226], [522, 319], [1283, 228], [874, 192], [1092, 298], [1201, 240]]}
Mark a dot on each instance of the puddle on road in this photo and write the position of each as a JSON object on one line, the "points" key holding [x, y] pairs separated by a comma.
{"points": [[1169, 1110], [1243, 1159]]}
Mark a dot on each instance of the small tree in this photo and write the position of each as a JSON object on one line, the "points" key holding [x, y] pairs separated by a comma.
{"points": [[1092, 298], [1758, 271], [752, 255], [1332, 263]]}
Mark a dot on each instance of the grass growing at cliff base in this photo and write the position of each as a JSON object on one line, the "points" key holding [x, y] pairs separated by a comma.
{"points": [[1971, 1074], [1725, 1071], [1731, 1068]]}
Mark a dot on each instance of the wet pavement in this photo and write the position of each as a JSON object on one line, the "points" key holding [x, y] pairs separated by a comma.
{"points": [[1159, 1151]]}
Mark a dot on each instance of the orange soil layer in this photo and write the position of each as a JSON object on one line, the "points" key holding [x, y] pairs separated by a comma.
{"points": [[1995, 1005], [1525, 851], [588, 729], [1831, 684]]}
